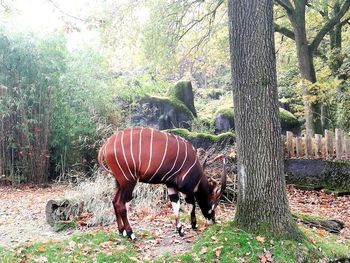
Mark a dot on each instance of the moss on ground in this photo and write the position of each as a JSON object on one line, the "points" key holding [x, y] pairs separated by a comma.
{"points": [[92, 247], [201, 135], [230, 244]]}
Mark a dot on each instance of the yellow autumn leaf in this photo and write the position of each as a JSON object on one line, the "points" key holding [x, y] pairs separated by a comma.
{"points": [[260, 239]]}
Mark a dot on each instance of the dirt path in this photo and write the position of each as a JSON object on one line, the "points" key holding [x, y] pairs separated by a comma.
{"points": [[22, 214]]}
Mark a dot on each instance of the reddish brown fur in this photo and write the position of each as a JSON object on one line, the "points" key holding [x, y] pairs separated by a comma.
{"points": [[164, 158]]}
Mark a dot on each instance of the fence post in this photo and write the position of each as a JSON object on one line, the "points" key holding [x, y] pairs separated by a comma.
{"points": [[298, 147], [318, 143], [338, 143], [290, 148], [308, 144], [328, 136], [347, 146]]}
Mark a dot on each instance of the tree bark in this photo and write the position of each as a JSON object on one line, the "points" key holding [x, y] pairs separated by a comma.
{"points": [[262, 204]]}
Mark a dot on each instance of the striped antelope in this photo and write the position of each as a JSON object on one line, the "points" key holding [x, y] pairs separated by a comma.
{"points": [[156, 157]]}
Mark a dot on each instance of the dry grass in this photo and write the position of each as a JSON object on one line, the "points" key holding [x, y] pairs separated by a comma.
{"points": [[96, 194]]}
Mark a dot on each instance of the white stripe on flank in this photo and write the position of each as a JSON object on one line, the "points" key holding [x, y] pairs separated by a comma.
{"points": [[165, 152], [150, 152], [140, 150], [132, 154], [177, 156], [185, 159], [116, 157], [195, 161], [121, 142]]}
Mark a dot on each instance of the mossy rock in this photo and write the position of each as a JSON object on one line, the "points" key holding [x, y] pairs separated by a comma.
{"points": [[214, 94], [165, 102], [204, 140], [288, 121], [183, 92], [173, 111], [224, 120]]}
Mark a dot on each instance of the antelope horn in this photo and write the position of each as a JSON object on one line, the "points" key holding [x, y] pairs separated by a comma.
{"points": [[223, 179]]}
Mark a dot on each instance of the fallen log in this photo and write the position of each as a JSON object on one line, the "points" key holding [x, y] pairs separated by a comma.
{"points": [[62, 210]]}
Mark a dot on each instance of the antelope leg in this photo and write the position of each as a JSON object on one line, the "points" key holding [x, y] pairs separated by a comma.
{"points": [[175, 202]]}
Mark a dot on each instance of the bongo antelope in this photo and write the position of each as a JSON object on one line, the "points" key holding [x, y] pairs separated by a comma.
{"points": [[155, 157]]}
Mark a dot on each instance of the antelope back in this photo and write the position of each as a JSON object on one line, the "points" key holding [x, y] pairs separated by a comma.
{"points": [[150, 156]]}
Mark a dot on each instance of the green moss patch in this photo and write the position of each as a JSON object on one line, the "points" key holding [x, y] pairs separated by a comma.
{"points": [[179, 93], [230, 244], [93, 247], [173, 102], [288, 120], [201, 135]]}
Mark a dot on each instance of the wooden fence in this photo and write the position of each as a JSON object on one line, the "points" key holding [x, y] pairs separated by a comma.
{"points": [[333, 145]]}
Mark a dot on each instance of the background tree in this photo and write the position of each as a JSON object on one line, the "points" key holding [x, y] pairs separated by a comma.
{"points": [[262, 204], [307, 46]]}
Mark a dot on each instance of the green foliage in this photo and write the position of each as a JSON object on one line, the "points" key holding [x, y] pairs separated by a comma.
{"points": [[132, 88], [29, 75], [84, 100], [97, 246], [343, 111]]}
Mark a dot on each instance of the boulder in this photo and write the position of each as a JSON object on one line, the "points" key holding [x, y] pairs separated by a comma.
{"points": [[174, 111]]}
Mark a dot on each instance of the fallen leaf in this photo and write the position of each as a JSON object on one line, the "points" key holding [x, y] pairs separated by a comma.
{"points": [[217, 251], [260, 239], [41, 249], [203, 250]]}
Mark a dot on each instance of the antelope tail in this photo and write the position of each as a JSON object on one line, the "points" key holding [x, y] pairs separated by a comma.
{"points": [[101, 155]]}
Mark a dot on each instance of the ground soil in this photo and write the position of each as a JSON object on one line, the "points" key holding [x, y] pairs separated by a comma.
{"points": [[22, 219]]}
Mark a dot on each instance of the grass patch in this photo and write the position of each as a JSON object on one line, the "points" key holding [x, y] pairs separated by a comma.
{"points": [[230, 244], [308, 217], [92, 247], [62, 226]]}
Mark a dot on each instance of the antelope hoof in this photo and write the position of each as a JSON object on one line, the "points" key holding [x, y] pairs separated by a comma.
{"points": [[181, 231], [194, 227], [131, 235]]}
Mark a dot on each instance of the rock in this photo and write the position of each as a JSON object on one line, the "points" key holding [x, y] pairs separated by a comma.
{"points": [[223, 123], [319, 174], [175, 111], [183, 92]]}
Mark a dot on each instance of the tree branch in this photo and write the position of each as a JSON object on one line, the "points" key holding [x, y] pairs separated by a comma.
{"points": [[344, 22], [285, 31], [286, 4], [329, 25], [193, 23]]}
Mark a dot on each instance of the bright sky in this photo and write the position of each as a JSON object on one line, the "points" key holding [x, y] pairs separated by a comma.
{"points": [[47, 16]]}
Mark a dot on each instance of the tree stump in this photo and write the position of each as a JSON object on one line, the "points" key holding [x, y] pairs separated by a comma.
{"points": [[62, 210]]}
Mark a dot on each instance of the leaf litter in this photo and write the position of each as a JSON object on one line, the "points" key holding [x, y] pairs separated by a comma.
{"points": [[22, 219]]}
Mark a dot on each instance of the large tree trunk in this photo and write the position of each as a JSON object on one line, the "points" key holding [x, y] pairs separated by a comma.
{"points": [[262, 204]]}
